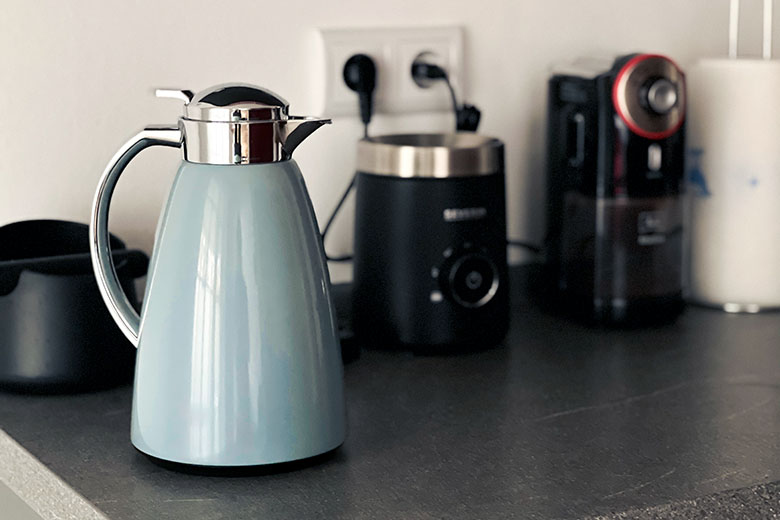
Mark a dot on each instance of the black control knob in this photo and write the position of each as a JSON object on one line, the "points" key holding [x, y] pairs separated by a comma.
{"points": [[470, 279]]}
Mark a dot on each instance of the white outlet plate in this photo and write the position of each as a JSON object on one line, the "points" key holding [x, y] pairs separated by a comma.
{"points": [[393, 51]]}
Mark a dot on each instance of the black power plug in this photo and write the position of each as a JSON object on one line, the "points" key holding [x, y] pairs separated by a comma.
{"points": [[424, 73], [360, 76], [467, 118]]}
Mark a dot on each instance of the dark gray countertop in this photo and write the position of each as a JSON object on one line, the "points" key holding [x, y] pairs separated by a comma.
{"points": [[561, 421]]}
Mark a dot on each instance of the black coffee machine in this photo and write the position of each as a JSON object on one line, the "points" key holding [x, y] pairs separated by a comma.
{"points": [[430, 270], [615, 169]]}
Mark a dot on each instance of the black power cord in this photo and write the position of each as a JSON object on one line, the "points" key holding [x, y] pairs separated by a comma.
{"points": [[528, 246], [466, 116], [334, 213], [360, 76]]}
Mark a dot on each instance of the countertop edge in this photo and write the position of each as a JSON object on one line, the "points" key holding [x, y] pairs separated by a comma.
{"points": [[756, 501], [46, 494]]}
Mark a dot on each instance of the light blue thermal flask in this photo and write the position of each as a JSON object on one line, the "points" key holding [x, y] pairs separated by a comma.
{"points": [[238, 356]]}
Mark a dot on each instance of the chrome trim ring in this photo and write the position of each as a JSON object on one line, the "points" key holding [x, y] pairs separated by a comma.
{"points": [[245, 142], [430, 155], [231, 143]]}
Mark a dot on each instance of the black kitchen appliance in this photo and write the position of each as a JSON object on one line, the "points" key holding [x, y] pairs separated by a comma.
{"points": [[430, 271], [615, 169], [55, 333]]}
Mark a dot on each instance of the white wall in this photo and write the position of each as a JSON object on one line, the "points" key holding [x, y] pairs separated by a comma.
{"points": [[76, 79]]}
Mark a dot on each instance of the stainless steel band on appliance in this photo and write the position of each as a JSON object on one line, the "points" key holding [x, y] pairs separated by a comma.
{"points": [[430, 155]]}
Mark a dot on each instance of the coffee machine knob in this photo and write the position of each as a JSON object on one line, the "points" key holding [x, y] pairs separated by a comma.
{"points": [[662, 96], [471, 279]]}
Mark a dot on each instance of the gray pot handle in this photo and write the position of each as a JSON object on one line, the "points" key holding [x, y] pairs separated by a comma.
{"points": [[113, 295]]}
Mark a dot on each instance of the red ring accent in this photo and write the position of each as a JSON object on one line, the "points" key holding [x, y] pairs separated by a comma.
{"points": [[631, 126]]}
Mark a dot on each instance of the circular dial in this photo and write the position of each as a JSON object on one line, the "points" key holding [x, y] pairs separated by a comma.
{"points": [[469, 277], [649, 96]]}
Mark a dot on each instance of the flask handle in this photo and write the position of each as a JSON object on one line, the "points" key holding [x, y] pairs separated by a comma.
{"points": [[114, 297]]}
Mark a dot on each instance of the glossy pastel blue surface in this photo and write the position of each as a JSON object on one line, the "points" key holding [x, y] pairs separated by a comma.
{"points": [[238, 358]]}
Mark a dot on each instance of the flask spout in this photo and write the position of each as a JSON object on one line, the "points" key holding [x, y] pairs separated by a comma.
{"points": [[297, 129]]}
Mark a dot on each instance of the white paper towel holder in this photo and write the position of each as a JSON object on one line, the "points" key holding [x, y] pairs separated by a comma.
{"points": [[723, 273]]}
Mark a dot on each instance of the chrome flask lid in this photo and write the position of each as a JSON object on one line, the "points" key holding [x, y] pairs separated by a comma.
{"points": [[239, 123]]}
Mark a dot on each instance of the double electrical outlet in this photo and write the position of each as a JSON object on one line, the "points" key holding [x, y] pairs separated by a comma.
{"points": [[393, 51]]}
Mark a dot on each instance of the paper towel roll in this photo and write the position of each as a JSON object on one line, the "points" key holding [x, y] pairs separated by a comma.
{"points": [[734, 183]]}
